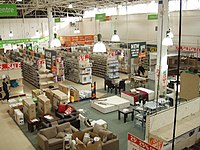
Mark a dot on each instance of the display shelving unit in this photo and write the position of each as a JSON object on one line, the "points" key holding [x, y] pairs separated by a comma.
{"points": [[14, 74]]}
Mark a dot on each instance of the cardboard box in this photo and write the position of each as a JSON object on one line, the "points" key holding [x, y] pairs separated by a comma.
{"points": [[95, 146], [63, 88], [49, 95], [29, 109], [44, 105], [59, 95], [36, 92], [75, 93]]}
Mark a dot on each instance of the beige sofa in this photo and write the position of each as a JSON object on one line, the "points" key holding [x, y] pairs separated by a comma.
{"points": [[109, 139], [52, 138]]}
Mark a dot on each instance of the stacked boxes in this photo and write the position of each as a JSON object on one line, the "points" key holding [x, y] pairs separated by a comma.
{"points": [[29, 109], [63, 88], [19, 117], [44, 105], [58, 97], [74, 94]]}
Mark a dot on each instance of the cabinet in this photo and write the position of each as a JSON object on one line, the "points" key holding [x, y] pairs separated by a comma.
{"points": [[19, 117]]}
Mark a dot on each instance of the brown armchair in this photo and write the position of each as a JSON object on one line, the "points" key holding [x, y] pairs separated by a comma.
{"points": [[52, 138], [109, 139]]}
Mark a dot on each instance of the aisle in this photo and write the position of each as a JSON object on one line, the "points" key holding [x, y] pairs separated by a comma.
{"points": [[11, 137]]}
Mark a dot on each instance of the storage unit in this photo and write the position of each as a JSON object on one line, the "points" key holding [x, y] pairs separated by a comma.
{"points": [[44, 105], [29, 109], [19, 117]]}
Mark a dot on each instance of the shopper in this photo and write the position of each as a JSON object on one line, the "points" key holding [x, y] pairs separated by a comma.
{"points": [[141, 70], [5, 88]]}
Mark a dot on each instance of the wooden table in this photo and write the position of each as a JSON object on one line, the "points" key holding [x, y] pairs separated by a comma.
{"points": [[126, 111]]}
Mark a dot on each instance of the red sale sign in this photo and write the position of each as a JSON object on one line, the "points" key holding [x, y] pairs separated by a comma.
{"points": [[10, 66], [134, 143]]}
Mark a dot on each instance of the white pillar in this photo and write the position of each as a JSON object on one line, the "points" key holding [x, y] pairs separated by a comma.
{"points": [[161, 66], [50, 24]]}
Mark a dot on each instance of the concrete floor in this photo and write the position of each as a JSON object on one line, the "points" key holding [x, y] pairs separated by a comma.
{"points": [[11, 137]]}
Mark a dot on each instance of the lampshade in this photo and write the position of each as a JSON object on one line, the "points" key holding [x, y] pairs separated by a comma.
{"points": [[76, 30], [37, 33], [115, 37], [55, 43], [170, 34], [167, 41], [10, 34], [99, 46]]}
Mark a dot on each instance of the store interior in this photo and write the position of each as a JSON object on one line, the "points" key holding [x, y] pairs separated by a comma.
{"points": [[100, 75]]}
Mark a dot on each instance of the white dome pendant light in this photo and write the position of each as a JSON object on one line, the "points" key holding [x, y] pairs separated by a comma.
{"points": [[99, 46], [115, 37]]}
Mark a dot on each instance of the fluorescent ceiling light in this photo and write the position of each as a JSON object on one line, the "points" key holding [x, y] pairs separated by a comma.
{"points": [[115, 37], [119, 6], [99, 46], [19, 0], [70, 6]]}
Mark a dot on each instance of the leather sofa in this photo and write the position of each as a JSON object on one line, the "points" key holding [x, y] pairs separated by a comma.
{"points": [[52, 138], [109, 139]]}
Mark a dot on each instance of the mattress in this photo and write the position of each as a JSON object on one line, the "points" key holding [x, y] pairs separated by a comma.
{"points": [[150, 92], [110, 104]]}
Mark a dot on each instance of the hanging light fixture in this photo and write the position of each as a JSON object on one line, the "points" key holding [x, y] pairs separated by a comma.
{"points": [[76, 31], [99, 46], [70, 6], [55, 42], [115, 37], [11, 34], [167, 41], [37, 33]]}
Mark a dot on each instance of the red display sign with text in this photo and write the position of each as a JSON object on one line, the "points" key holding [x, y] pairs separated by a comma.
{"points": [[10, 66]]}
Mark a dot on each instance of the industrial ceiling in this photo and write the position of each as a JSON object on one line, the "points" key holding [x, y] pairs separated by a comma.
{"points": [[38, 8]]}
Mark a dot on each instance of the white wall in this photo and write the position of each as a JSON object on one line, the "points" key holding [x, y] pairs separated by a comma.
{"points": [[22, 28], [139, 28]]}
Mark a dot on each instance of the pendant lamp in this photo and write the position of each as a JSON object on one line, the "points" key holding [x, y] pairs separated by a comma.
{"points": [[11, 34], [99, 46], [167, 41], [115, 37], [55, 42]]}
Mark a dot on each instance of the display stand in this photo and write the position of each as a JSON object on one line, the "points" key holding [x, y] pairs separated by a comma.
{"points": [[159, 126], [14, 73]]}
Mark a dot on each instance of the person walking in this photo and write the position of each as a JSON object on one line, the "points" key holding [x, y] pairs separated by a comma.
{"points": [[6, 89]]}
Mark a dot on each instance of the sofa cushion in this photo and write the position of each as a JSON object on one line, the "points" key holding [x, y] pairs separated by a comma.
{"points": [[96, 128], [62, 127], [49, 133], [55, 141], [61, 108], [69, 110], [105, 135], [68, 130], [60, 135], [92, 134]]}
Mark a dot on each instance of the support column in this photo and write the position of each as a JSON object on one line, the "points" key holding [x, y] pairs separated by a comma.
{"points": [[50, 24], [161, 65]]}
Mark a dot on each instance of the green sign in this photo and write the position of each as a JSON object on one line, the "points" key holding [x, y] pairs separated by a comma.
{"points": [[153, 17], [100, 17], [16, 41], [57, 20], [8, 10]]}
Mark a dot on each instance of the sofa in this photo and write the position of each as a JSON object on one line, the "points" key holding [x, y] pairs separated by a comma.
{"points": [[109, 139], [72, 117], [52, 138]]}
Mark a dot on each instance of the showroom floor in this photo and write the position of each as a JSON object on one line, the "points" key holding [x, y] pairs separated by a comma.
{"points": [[12, 137]]}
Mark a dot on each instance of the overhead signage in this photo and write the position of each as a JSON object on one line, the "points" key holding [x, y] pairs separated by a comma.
{"points": [[100, 17], [188, 49], [8, 10], [134, 143], [50, 58], [153, 17], [10, 66], [151, 48], [57, 20], [156, 143], [138, 50]]}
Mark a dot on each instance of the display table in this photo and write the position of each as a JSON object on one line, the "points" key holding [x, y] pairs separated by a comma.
{"points": [[134, 97], [148, 91], [33, 124], [110, 104], [126, 111]]}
